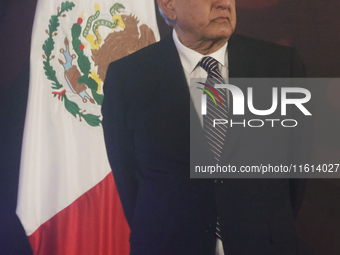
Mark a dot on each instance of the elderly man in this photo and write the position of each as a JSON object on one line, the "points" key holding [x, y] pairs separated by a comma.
{"points": [[146, 113]]}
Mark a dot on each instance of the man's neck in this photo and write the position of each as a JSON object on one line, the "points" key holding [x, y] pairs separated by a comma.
{"points": [[204, 46]]}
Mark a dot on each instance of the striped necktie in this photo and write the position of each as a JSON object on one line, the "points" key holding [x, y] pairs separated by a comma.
{"points": [[215, 135]]}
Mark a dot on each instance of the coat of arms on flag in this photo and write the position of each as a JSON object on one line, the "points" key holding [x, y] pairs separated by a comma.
{"points": [[87, 53]]}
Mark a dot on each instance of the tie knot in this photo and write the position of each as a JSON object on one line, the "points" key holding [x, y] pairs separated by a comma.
{"points": [[209, 64]]}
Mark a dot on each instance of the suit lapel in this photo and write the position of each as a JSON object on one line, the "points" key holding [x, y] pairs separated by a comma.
{"points": [[241, 63]]}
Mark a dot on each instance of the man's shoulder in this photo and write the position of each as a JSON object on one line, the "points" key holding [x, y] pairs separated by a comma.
{"points": [[142, 71], [266, 59], [148, 56], [257, 45]]}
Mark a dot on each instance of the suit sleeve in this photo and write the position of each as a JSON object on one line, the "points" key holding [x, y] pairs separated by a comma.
{"points": [[119, 139], [300, 140]]}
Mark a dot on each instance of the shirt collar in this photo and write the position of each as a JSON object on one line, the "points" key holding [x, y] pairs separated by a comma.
{"points": [[190, 58]]}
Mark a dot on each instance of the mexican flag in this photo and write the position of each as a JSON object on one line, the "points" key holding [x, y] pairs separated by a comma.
{"points": [[68, 202]]}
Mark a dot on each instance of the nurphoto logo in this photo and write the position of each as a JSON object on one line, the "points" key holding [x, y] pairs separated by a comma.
{"points": [[238, 105]]}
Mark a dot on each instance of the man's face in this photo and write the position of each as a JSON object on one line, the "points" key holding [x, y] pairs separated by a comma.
{"points": [[205, 19]]}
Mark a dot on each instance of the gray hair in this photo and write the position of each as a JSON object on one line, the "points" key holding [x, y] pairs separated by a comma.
{"points": [[168, 21]]}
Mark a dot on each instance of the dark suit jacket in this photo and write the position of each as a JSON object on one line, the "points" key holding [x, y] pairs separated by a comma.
{"points": [[146, 113]]}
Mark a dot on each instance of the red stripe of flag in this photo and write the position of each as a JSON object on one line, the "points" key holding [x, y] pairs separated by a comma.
{"points": [[94, 224]]}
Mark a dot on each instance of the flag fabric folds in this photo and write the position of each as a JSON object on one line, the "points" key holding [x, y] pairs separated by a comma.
{"points": [[67, 202]]}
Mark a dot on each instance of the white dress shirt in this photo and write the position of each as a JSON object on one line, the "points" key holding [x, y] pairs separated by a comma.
{"points": [[189, 59]]}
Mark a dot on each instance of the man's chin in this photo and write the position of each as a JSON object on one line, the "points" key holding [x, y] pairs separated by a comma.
{"points": [[221, 36], [222, 32]]}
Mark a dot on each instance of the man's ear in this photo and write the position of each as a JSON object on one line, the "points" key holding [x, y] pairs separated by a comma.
{"points": [[168, 8]]}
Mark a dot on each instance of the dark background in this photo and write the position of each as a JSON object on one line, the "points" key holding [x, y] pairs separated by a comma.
{"points": [[312, 26]]}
